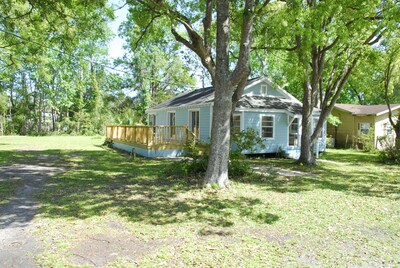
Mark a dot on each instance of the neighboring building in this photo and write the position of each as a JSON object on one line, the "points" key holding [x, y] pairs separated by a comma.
{"points": [[357, 119]]}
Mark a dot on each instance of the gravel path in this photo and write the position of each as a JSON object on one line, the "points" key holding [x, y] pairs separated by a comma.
{"points": [[17, 244]]}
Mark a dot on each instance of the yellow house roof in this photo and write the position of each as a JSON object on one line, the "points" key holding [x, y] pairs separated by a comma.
{"points": [[356, 109]]}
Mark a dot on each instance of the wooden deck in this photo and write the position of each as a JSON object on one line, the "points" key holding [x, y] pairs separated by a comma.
{"points": [[154, 137]]}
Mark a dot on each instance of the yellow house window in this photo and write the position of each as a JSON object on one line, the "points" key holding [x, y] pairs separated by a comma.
{"points": [[363, 128], [387, 129]]}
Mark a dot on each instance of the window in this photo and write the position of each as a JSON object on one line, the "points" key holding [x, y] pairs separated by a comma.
{"points": [[171, 121], [363, 128], [294, 133], [236, 123], [267, 126], [152, 119], [264, 90], [194, 122], [387, 129]]}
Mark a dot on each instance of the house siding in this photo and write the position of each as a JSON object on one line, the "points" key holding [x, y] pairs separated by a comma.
{"points": [[344, 133], [182, 117], [256, 90], [205, 122], [280, 139]]}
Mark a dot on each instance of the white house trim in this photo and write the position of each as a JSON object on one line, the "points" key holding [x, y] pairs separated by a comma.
{"points": [[196, 106]]}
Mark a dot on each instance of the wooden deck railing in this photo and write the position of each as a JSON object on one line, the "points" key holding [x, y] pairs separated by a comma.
{"points": [[151, 135]]}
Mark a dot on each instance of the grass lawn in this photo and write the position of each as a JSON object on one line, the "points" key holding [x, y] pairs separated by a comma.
{"points": [[110, 210]]}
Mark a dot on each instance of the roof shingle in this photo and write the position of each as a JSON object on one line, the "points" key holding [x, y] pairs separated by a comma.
{"points": [[356, 109]]}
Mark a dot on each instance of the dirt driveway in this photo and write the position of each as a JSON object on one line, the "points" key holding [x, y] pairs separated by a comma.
{"points": [[17, 244]]}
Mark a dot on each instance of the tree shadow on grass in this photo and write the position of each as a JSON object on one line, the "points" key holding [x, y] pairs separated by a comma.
{"points": [[352, 177], [101, 182]]}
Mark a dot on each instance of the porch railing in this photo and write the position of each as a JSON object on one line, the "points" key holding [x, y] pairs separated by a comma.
{"points": [[151, 135]]}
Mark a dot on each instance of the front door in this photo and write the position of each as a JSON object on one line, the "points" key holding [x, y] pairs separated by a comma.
{"points": [[171, 119], [194, 122]]}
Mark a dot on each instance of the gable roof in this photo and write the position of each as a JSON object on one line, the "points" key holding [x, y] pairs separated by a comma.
{"points": [[206, 95], [269, 103], [356, 109]]}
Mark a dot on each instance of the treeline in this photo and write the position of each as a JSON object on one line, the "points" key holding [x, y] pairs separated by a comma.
{"points": [[55, 75]]}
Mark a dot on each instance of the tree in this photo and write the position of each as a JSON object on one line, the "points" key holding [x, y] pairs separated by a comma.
{"points": [[391, 81], [156, 75], [324, 42], [45, 46], [211, 29]]}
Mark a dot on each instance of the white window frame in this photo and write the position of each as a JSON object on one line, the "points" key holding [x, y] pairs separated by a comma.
{"points": [[387, 129], [264, 90], [273, 126], [155, 119], [189, 119], [360, 128], [240, 120], [298, 131]]}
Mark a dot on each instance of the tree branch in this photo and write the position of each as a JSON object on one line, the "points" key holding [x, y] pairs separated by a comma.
{"points": [[242, 69], [274, 48], [144, 32], [207, 20]]}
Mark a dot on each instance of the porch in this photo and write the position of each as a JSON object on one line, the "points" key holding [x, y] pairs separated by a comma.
{"points": [[150, 141]]}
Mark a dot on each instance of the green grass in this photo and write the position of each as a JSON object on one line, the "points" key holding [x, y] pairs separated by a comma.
{"points": [[345, 212]]}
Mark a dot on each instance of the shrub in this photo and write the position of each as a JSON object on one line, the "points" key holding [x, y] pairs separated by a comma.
{"points": [[389, 154], [194, 166], [367, 141], [248, 140]]}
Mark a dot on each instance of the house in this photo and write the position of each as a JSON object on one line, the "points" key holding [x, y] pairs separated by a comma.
{"points": [[361, 119], [269, 109]]}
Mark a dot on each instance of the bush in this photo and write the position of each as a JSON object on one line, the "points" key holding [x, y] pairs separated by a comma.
{"points": [[248, 140], [367, 141], [194, 166], [389, 154]]}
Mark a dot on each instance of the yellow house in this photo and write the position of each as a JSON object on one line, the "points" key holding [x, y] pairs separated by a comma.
{"points": [[357, 119]]}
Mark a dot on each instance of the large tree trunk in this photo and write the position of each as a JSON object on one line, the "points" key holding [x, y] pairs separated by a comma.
{"points": [[217, 169], [307, 144]]}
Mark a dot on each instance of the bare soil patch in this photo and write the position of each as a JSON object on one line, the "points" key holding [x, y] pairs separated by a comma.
{"points": [[270, 170], [100, 249]]}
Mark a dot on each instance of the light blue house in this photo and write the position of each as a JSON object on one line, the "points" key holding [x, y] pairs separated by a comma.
{"points": [[267, 108]]}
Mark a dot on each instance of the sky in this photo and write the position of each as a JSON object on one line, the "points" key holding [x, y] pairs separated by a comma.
{"points": [[115, 49]]}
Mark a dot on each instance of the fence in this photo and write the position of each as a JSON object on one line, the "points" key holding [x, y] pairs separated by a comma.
{"points": [[151, 135]]}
